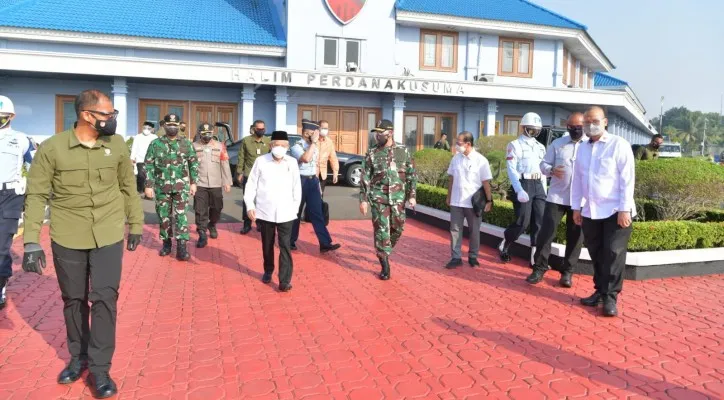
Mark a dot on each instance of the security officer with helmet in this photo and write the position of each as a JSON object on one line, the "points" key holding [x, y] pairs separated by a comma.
{"points": [[528, 184], [15, 150]]}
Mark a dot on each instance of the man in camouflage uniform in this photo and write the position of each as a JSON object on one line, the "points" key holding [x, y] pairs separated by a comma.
{"points": [[172, 172], [388, 182]]}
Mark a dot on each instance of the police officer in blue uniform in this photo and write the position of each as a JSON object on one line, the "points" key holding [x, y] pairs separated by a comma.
{"points": [[15, 150], [524, 156]]}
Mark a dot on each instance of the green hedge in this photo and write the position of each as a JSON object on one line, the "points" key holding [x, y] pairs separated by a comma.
{"points": [[646, 236]]}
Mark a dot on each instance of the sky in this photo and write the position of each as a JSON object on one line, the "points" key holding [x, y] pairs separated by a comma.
{"points": [[670, 48]]}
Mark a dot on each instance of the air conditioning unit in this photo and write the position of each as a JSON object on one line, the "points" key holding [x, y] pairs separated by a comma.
{"points": [[352, 67], [484, 78]]}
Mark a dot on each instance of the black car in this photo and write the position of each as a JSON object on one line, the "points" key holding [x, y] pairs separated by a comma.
{"points": [[350, 165]]}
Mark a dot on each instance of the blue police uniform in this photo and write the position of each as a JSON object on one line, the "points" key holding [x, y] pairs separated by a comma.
{"points": [[15, 150], [311, 196]]}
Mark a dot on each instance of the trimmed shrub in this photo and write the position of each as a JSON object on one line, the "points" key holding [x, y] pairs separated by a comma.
{"points": [[487, 144], [431, 166]]}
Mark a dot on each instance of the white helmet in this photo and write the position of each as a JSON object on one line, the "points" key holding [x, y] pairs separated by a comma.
{"points": [[6, 106], [531, 124]]}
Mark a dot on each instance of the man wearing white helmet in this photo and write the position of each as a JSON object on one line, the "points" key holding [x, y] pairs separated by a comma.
{"points": [[524, 156], [15, 149]]}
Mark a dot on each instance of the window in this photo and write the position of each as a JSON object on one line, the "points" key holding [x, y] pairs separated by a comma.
{"points": [[515, 58], [423, 130], [565, 66], [512, 124], [64, 113], [330, 52], [438, 51], [353, 52]]}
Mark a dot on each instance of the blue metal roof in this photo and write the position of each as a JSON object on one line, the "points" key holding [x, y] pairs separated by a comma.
{"points": [[602, 80], [502, 10], [250, 22]]}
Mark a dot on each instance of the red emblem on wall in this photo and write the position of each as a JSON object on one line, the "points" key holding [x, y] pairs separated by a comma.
{"points": [[345, 10]]}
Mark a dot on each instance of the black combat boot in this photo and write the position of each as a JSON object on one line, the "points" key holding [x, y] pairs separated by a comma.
{"points": [[566, 279], [213, 233], [536, 276], [182, 253], [385, 273], [203, 240], [166, 249], [503, 251]]}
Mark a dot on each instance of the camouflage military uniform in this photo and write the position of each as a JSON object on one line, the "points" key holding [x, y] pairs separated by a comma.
{"points": [[388, 182], [171, 166]]}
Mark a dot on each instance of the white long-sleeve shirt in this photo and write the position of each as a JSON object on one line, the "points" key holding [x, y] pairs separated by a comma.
{"points": [[561, 151], [140, 146], [603, 178], [274, 189]]}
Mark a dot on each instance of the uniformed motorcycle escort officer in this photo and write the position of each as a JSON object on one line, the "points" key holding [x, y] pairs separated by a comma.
{"points": [[388, 182], [89, 171], [171, 175], [528, 184], [251, 148], [15, 150], [214, 173]]}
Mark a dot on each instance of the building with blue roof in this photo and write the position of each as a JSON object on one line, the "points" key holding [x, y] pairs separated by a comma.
{"points": [[431, 67]]}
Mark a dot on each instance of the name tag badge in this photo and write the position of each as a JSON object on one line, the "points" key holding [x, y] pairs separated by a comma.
{"points": [[393, 165], [258, 152], [207, 150]]}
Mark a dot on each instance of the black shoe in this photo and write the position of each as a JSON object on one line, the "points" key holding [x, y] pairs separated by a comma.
{"points": [[72, 371], [326, 249], [536, 276], [292, 247], [385, 273], [246, 229], [213, 233], [182, 253], [102, 385], [258, 228], [203, 240], [592, 301], [266, 278], [454, 263], [566, 279], [3, 297], [609, 307], [166, 249], [285, 287], [503, 252], [473, 262]]}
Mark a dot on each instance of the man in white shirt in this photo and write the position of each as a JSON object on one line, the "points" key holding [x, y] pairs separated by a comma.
{"points": [[138, 153], [272, 197], [602, 199], [469, 171], [558, 164]]}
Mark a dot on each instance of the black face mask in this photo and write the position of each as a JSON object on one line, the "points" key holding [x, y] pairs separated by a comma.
{"points": [[655, 145], [382, 139], [576, 132], [259, 132], [4, 121], [106, 128], [171, 131], [206, 138]]}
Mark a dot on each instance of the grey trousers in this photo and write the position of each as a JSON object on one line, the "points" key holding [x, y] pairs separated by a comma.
{"points": [[457, 215]]}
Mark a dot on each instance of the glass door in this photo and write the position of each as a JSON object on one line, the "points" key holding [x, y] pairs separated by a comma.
{"points": [[410, 132], [428, 131]]}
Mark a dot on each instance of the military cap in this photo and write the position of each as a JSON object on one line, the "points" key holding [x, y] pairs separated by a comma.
{"points": [[279, 135], [205, 127], [383, 125], [309, 125], [171, 119]]}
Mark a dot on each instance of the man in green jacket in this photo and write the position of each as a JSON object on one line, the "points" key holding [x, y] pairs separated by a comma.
{"points": [[651, 150], [252, 147]]}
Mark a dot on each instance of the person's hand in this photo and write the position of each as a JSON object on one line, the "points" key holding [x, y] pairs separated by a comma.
{"points": [[412, 203], [577, 218], [315, 137], [523, 197], [34, 258], [624, 219], [148, 192], [133, 242], [559, 171], [227, 188], [363, 206], [447, 201], [240, 178], [133, 161], [488, 207], [335, 178], [252, 215], [193, 189]]}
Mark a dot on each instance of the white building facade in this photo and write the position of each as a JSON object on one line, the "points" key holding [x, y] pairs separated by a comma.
{"points": [[429, 66]]}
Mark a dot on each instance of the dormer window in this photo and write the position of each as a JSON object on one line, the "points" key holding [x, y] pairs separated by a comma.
{"points": [[438, 51], [515, 58]]}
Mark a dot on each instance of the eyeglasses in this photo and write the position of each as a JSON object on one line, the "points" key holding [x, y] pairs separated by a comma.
{"points": [[112, 115]]}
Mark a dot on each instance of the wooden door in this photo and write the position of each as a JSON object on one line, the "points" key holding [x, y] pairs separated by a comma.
{"points": [[227, 115], [348, 140], [305, 112], [202, 113], [331, 115]]}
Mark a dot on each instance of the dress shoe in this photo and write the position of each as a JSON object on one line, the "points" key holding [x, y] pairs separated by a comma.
{"points": [[203, 240], [473, 262], [293, 246], [102, 385], [566, 279], [246, 229], [258, 228], [385, 273], [182, 253], [609, 307], [327, 248], [266, 278], [285, 287], [454, 263], [3, 296], [213, 233], [592, 301], [503, 252], [166, 249], [536, 276], [72, 371]]}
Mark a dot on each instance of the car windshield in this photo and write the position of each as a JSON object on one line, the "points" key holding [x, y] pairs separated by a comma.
{"points": [[670, 148]]}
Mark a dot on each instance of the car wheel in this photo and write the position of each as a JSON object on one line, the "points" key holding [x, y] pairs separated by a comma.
{"points": [[354, 175]]}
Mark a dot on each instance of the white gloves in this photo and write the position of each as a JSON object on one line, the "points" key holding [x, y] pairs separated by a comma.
{"points": [[523, 196]]}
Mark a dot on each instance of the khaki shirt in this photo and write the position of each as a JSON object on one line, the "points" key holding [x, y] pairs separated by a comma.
{"points": [[249, 151], [327, 154], [214, 170], [94, 192]]}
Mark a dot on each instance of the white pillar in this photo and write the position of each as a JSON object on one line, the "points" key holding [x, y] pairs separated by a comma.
{"points": [[398, 117], [490, 119], [558, 70], [577, 68], [120, 103], [281, 98], [247, 109]]}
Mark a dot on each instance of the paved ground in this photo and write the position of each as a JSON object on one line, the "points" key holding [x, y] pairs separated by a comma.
{"points": [[209, 329]]}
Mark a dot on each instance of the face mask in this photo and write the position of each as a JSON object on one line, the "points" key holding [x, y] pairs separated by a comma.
{"points": [[278, 151], [592, 130], [323, 132], [146, 131], [183, 129], [171, 131], [460, 149], [106, 128], [575, 131], [655, 145], [206, 137], [382, 139], [4, 121], [531, 132], [259, 132]]}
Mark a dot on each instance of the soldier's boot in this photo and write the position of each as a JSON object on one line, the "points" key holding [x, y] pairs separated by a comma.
{"points": [[385, 273], [536, 276], [503, 251], [166, 249], [182, 253], [213, 233], [203, 240], [566, 279]]}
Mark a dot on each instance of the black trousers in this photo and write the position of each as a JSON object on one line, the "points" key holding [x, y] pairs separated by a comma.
{"points": [[528, 213], [141, 177], [607, 245], [90, 275], [208, 203], [552, 217], [323, 184], [11, 208], [286, 265]]}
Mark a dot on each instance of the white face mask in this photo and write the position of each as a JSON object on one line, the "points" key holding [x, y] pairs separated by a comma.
{"points": [[593, 130], [323, 132], [146, 131], [460, 149], [278, 151]]}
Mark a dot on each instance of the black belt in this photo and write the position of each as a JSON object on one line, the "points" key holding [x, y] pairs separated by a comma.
{"points": [[308, 176]]}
